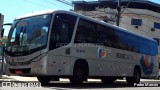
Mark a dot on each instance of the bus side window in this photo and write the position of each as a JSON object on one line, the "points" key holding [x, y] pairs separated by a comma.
{"points": [[121, 40], [144, 46], [153, 48], [133, 43], [80, 36], [85, 32], [105, 35], [62, 30]]}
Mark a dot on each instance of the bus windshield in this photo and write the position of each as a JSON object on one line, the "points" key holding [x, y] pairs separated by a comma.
{"points": [[29, 33]]}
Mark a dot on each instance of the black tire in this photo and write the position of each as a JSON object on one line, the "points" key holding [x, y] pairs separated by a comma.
{"points": [[44, 79], [79, 74], [136, 77], [108, 80]]}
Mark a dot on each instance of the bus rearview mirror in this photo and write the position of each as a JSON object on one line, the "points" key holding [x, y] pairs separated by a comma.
{"points": [[2, 32]]}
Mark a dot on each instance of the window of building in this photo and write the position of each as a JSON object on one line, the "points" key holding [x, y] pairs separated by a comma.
{"points": [[86, 32], [156, 25], [137, 22]]}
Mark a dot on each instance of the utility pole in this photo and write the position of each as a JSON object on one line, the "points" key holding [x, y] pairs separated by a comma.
{"points": [[1, 21], [1, 45], [119, 12]]}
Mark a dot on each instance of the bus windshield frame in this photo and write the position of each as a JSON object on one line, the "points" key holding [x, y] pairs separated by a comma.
{"points": [[28, 35]]}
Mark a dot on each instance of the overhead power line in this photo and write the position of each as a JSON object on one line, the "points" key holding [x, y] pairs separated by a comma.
{"points": [[50, 2], [36, 3], [126, 6], [65, 2], [54, 3]]}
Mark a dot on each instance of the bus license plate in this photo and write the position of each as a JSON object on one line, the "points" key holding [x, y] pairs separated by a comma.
{"points": [[18, 72]]}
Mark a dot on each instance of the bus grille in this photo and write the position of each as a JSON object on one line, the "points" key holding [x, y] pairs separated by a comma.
{"points": [[18, 63]]}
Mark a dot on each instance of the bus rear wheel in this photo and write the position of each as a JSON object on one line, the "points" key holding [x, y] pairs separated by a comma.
{"points": [[44, 79], [136, 77], [79, 74]]}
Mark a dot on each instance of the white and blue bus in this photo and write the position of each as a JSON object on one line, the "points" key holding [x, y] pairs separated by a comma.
{"points": [[63, 44]]}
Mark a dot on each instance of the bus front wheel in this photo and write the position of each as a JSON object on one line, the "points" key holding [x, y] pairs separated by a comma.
{"points": [[79, 74]]}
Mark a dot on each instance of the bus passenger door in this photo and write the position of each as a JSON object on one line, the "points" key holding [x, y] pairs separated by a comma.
{"points": [[60, 37]]}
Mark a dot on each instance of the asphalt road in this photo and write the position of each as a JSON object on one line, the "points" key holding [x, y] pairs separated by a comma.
{"points": [[64, 84]]}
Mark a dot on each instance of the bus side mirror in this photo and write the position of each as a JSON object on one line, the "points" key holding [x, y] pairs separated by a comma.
{"points": [[2, 32]]}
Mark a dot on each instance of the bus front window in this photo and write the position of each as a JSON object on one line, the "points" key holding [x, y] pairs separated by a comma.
{"points": [[29, 33]]}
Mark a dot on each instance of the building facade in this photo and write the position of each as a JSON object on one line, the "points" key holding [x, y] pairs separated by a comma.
{"points": [[139, 16]]}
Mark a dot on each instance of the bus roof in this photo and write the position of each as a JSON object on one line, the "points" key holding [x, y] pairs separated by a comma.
{"points": [[44, 12], [85, 17], [35, 14]]}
